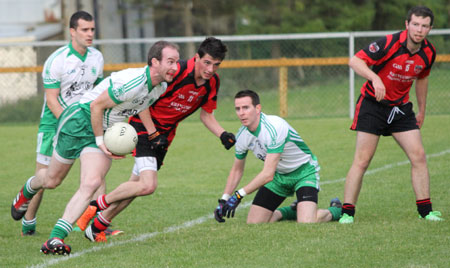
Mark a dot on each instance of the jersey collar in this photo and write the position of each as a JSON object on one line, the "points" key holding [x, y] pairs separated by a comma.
{"points": [[76, 53], [258, 129], [149, 78]]}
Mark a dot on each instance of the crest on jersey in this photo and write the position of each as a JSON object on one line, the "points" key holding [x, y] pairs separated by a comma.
{"points": [[418, 68], [374, 47]]}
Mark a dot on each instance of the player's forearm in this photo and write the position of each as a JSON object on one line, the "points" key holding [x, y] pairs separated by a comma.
{"points": [[53, 103], [233, 181], [421, 94], [261, 179], [360, 67], [55, 108], [210, 122], [147, 121], [97, 119]]}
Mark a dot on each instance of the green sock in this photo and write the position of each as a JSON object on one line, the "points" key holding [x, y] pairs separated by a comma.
{"points": [[61, 229], [335, 213], [28, 225], [288, 213], [27, 191]]}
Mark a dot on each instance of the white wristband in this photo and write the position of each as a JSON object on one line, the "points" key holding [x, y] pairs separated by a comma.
{"points": [[226, 197], [242, 192], [99, 140]]}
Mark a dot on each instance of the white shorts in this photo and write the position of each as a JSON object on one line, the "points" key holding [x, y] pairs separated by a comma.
{"points": [[43, 159], [144, 163]]}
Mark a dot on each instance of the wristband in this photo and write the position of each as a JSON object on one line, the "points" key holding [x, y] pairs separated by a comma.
{"points": [[153, 135], [226, 197], [99, 140], [242, 192]]}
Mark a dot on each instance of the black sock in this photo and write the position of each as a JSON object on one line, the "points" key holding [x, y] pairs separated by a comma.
{"points": [[349, 209], [424, 207]]}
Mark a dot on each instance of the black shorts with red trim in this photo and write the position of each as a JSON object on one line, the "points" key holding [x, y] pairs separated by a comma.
{"points": [[380, 119], [143, 145]]}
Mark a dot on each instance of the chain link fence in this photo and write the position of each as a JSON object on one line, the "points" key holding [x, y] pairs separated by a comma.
{"points": [[312, 67]]}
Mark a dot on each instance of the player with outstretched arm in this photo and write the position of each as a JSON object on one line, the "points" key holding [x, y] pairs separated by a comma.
{"points": [[195, 86], [289, 167]]}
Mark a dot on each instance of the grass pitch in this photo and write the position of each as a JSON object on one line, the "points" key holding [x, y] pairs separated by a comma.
{"points": [[174, 226]]}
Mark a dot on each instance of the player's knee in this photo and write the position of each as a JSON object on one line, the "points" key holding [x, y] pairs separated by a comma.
{"points": [[148, 189], [90, 184], [361, 164], [51, 182], [418, 158]]}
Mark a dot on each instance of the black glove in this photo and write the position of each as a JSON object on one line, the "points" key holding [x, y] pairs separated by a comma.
{"points": [[231, 205], [228, 139], [158, 142], [218, 212]]}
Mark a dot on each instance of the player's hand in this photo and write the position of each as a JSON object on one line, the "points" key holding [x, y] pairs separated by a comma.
{"points": [[228, 139], [380, 89], [230, 207], [420, 117], [158, 142], [218, 212], [109, 154]]}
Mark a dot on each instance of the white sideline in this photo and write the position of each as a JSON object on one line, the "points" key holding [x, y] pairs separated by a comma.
{"points": [[197, 221]]}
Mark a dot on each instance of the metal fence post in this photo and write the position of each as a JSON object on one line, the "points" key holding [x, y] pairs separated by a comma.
{"points": [[351, 52]]}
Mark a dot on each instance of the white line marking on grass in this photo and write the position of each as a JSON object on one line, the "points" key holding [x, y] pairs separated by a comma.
{"points": [[200, 220], [388, 166]]}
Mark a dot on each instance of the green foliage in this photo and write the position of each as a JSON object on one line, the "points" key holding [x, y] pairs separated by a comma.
{"points": [[284, 16], [174, 226]]}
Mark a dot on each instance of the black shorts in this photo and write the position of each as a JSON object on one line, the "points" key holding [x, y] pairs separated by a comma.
{"points": [[269, 200], [143, 145], [379, 119]]}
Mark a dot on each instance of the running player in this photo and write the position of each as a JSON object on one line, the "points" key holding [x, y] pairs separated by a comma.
{"points": [[68, 73], [80, 135], [195, 85]]}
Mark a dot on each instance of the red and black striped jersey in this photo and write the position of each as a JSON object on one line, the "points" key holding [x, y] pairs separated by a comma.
{"points": [[396, 66], [182, 98]]}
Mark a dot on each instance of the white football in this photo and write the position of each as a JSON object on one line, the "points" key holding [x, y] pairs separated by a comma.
{"points": [[121, 138]]}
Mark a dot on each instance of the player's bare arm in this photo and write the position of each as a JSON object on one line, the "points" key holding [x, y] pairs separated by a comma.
{"points": [[210, 122], [51, 95], [147, 121], [362, 69], [235, 176], [266, 175], [97, 107], [421, 95]]}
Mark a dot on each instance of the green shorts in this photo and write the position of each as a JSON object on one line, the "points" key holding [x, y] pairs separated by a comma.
{"points": [[286, 185], [45, 143], [74, 132]]}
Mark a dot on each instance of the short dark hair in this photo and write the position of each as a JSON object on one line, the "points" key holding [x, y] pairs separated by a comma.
{"points": [[248, 93], [214, 47], [156, 50], [420, 11], [79, 15]]}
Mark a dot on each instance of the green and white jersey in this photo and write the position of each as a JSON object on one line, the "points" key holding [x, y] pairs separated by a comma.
{"points": [[275, 135], [132, 91], [73, 74]]}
